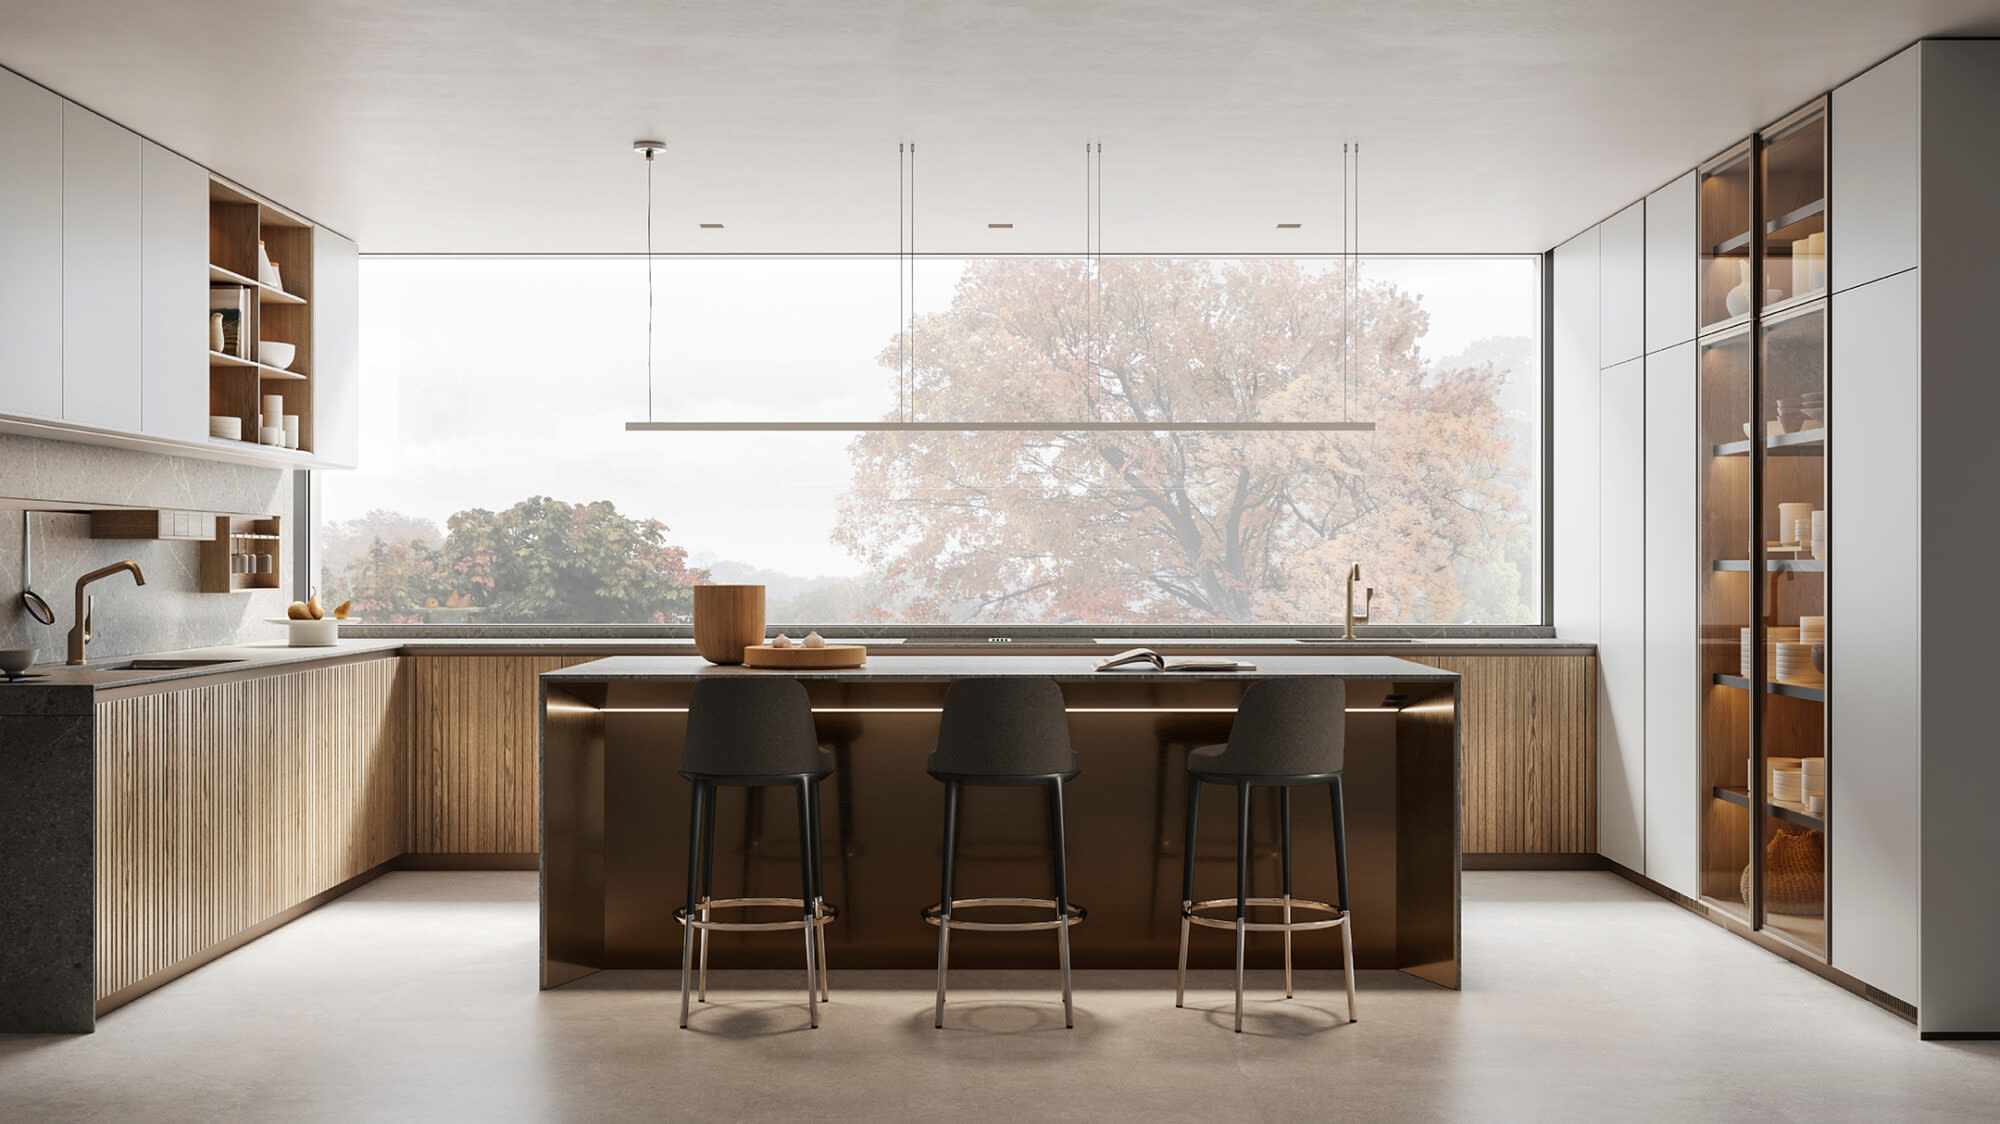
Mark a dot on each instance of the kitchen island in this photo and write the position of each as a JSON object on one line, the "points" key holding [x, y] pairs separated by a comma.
{"points": [[614, 817]]}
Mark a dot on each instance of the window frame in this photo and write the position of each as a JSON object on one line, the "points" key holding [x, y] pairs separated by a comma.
{"points": [[308, 510]]}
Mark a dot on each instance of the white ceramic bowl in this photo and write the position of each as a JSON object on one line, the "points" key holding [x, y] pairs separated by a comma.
{"points": [[14, 661], [311, 634], [230, 429], [271, 353]]}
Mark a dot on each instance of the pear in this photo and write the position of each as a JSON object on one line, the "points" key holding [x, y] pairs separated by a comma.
{"points": [[314, 608], [298, 611], [341, 610]]}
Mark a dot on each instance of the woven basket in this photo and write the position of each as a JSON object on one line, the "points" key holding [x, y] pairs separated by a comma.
{"points": [[1794, 873]]}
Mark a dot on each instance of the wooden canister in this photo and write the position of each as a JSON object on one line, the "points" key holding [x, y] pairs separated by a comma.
{"points": [[727, 619]]}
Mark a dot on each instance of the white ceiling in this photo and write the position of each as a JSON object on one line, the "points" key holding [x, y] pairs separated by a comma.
{"points": [[506, 125]]}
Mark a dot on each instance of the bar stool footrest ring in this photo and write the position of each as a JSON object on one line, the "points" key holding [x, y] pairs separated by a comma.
{"points": [[827, 912], [1191, 914], [934, 914]]}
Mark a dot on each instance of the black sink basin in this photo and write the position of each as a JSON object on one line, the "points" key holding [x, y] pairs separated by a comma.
{"points": [[163, 665]]}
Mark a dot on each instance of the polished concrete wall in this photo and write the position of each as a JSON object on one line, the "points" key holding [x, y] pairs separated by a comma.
{"points": [[168, 612]]}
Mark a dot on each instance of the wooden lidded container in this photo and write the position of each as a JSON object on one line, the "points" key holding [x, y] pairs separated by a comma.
{"points": [[727, 619]]}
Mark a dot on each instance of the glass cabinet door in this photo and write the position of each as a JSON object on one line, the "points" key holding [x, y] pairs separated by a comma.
{"points": [[1725, 242], [1792, 207], [1727, 412], [1792, 519]]}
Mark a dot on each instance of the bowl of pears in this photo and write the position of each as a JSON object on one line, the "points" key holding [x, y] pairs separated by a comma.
{"points": [[311, 625]]}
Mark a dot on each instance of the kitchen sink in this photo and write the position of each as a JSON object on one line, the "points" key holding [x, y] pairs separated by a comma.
{"points": [[163, 665]]}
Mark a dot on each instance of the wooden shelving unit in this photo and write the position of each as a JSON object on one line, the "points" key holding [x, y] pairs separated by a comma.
{"points": [[238, 223], [244, 553]]}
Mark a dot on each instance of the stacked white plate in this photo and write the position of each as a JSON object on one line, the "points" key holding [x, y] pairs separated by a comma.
{"points": [[1792, 663], [1812, 771], [1774, 636], [1787, 785], [1812, 630], [1819, 534], [228, 429]]}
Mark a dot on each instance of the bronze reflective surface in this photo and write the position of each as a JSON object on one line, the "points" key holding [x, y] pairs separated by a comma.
{"points": [[615, 833]]}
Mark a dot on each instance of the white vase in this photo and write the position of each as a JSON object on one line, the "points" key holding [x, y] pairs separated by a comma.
{"points": [[1737, 300]]}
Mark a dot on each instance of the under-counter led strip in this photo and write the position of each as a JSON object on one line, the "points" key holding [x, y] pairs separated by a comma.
{"points": [[940, 710]]}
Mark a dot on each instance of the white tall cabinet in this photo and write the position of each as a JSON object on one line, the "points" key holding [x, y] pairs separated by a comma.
{"points": [[31, 248], [173, 302], [1621, 644], [1913, 159], [100, 272]]}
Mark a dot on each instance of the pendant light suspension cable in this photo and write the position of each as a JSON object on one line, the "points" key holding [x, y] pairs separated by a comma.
{"points": [[649, 149]]}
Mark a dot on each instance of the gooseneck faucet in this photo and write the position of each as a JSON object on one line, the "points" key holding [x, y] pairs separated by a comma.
{"points": [[79, 633], [1367, 601]]}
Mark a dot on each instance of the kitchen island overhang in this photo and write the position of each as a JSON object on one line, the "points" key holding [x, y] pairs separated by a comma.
{"points": [[614, 817]]}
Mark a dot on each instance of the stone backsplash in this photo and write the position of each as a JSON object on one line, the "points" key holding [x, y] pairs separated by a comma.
{"points": [[168, 612]]}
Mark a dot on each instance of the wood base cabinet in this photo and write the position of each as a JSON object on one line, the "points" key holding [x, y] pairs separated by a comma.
{"points": [[222, 808]]}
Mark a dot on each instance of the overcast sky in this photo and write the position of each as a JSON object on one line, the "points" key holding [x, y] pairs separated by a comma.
{"points": [[489, 380]]}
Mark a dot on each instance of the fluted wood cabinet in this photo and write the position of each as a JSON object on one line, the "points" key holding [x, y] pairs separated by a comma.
{"points": [[225, 808]]}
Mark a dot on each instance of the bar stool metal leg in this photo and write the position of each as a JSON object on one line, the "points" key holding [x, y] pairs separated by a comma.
{"points": [[1242, 887], [1340, 871], [1187, 885], [688, 934], [1062, 896], [806, 896], [944, 921], [1285, 851], [707, 895], [819, 887]]}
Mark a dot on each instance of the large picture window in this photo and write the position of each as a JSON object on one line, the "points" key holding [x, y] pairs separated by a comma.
{"points": [[499, 484]]}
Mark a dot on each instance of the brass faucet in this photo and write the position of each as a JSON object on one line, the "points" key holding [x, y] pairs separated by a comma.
{"points": [[79, 633], [1367, 602]]}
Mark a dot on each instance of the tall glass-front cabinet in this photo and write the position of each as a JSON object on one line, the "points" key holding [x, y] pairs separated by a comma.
{"points": [[1762, 343]]}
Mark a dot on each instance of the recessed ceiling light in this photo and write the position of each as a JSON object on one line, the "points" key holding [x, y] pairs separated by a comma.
{"points": [[1288, 226], [711, 226], [999, 226]]}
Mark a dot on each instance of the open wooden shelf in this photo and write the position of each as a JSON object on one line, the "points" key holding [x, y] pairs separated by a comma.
{"points": [[220, 276], [264, 370], [220, 570], [1773, 687]]}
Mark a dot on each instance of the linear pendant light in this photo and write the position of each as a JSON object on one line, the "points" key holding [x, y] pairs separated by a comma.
{"points": [[906, 258]]}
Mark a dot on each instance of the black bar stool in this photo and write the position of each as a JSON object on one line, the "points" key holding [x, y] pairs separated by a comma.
{"points": [[1287, 732], [753, 733], [996, 733]]}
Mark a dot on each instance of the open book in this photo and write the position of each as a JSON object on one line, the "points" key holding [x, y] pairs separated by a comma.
{"points": [[1148, 658]]}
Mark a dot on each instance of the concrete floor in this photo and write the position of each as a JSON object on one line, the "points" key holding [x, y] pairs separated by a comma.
{"points": [[413, 998]]}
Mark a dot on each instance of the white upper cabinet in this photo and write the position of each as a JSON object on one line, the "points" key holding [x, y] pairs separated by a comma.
{"points": [[1673, 673], [31, 210], [1622, 293], [1873, 653], [1670, 264], [1873, 172], [336, 305], [1621, 643], [173, 278], [100, 272], [1573, 436]]}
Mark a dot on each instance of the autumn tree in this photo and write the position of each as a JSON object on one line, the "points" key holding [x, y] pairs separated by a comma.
{"points": [[1111, 526], [540, 560]]}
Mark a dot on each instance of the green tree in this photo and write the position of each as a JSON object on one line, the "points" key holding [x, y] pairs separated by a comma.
{"points": [[541, 560]]}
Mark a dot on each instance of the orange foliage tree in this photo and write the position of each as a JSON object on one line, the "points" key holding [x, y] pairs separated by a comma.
{"points": [[1137, 526]]}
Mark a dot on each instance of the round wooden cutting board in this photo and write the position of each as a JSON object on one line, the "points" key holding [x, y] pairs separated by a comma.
{"points": [[805, 659]]}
